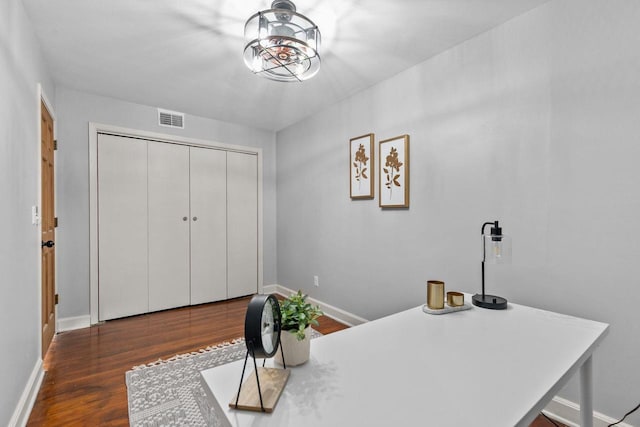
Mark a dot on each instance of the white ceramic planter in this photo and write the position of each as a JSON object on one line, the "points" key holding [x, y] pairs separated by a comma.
{"points": [[295, 352]]}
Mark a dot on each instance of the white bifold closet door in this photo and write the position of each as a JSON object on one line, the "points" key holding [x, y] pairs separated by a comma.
{"points": [[177, 225], [169, 221], [208, 225], [242, 224], [122, 219]]}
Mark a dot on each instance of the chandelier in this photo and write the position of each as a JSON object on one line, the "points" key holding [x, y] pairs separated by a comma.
{"points": [[282, 44]]}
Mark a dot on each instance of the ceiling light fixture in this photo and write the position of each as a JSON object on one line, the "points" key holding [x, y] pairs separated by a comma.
{"points": [[282, 44]]}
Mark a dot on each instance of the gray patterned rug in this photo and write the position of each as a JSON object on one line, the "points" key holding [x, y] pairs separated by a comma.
{"points": [[168, 393]]}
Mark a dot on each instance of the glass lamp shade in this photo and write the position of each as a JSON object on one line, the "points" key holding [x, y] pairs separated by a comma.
{"points": [[282, 45], [496, 249]]}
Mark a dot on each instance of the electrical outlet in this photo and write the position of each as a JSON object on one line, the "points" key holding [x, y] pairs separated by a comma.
{"points": [[316, 282]]}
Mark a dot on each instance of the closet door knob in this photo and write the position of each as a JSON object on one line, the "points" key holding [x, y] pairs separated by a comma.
{"points": [[184, 218], [195, 218]]}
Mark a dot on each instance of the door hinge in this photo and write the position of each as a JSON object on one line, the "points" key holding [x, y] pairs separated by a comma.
{"points": [[55, 222], [55, 144], [56, 299]]}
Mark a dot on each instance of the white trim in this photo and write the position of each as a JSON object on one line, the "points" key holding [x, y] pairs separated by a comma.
{"points": [[73, 323], [568, 413], [260, 228], [93, 223], [49, 106], [27, 399], [94, 129], [335, 313]]}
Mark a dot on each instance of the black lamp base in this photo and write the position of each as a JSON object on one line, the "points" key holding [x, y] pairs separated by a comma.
{"points": [[489, 301]]}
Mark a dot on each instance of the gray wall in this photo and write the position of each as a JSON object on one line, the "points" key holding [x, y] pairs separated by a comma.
{"points": [[535, 124], [21, 68], [75, 110]]}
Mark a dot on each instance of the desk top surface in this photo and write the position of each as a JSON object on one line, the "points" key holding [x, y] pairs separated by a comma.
{"points": [[471, 368]]}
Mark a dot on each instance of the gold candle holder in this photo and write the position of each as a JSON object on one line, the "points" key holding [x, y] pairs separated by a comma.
{"points": [[435, 294], [455, 299]]}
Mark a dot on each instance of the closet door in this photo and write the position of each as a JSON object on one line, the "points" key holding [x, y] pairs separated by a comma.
{"points": [[208, 225], [122, 227], [242, 224], [168, 196]]}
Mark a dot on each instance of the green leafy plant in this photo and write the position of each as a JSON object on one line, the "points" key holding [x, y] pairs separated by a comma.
{"points": [[297, 314]]}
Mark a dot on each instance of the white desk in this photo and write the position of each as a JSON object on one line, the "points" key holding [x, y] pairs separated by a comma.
{"points": [[471, 368]]}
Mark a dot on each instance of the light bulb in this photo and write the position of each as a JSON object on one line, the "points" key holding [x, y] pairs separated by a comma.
{"points": [[497, 249]]}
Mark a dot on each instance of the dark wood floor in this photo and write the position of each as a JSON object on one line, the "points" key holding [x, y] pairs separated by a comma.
{"points": [[84, 379]]}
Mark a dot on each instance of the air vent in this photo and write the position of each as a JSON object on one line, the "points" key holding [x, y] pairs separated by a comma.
{"points": [[170, 119]]}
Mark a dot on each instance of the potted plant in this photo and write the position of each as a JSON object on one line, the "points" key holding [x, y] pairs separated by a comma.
{"points": [[297, 317]]}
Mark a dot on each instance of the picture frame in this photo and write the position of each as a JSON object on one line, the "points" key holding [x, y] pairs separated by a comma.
{"points": [[394, 172], [362, 167]]}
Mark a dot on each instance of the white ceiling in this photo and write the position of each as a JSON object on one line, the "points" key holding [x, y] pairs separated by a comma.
{"points": [[186, 55]]}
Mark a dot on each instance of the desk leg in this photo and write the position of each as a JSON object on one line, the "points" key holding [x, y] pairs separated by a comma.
{"points": [[586, 393]]}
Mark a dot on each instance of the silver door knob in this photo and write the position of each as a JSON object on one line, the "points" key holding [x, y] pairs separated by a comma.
{"points": [[195, 218], [184, 218]]}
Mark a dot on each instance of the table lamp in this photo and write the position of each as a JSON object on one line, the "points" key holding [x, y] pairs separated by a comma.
{"points": [[496, 249]]}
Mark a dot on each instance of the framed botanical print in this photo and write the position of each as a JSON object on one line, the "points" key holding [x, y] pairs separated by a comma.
{"points": [[361, 165], [394, 172]]}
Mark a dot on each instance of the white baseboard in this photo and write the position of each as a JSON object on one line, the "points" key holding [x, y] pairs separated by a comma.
{"points": [[335, 313], [72, 323], [27, 399], [568, 413]]}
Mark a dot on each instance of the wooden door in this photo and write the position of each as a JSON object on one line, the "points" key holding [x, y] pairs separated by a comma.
{"points": [[169, 223], [122, 227], [208, 225], [48, 229], [242, 224]]}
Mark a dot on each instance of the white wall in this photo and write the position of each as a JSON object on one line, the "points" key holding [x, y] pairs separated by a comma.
{"points": [[75, 110], [535, 124], [21, 68]]}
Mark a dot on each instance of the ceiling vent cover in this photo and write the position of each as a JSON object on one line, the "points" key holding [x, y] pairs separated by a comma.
{"points": [[171, 119]]}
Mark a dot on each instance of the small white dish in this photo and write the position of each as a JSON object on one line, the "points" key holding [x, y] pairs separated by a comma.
{"points": [[446, 309]]}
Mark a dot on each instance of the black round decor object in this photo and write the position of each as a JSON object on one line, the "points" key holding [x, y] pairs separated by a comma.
{"points": [[489, 301], [262, 325]]}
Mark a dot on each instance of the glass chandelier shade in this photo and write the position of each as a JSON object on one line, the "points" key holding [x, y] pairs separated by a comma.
{"points": [[281, 44]]}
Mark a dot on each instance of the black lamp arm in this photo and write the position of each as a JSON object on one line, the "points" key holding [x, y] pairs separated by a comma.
{"points": [[494, 223], [484, 253]]}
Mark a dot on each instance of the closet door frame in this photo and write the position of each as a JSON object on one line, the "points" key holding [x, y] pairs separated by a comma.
{"points": [[97, 128]]}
